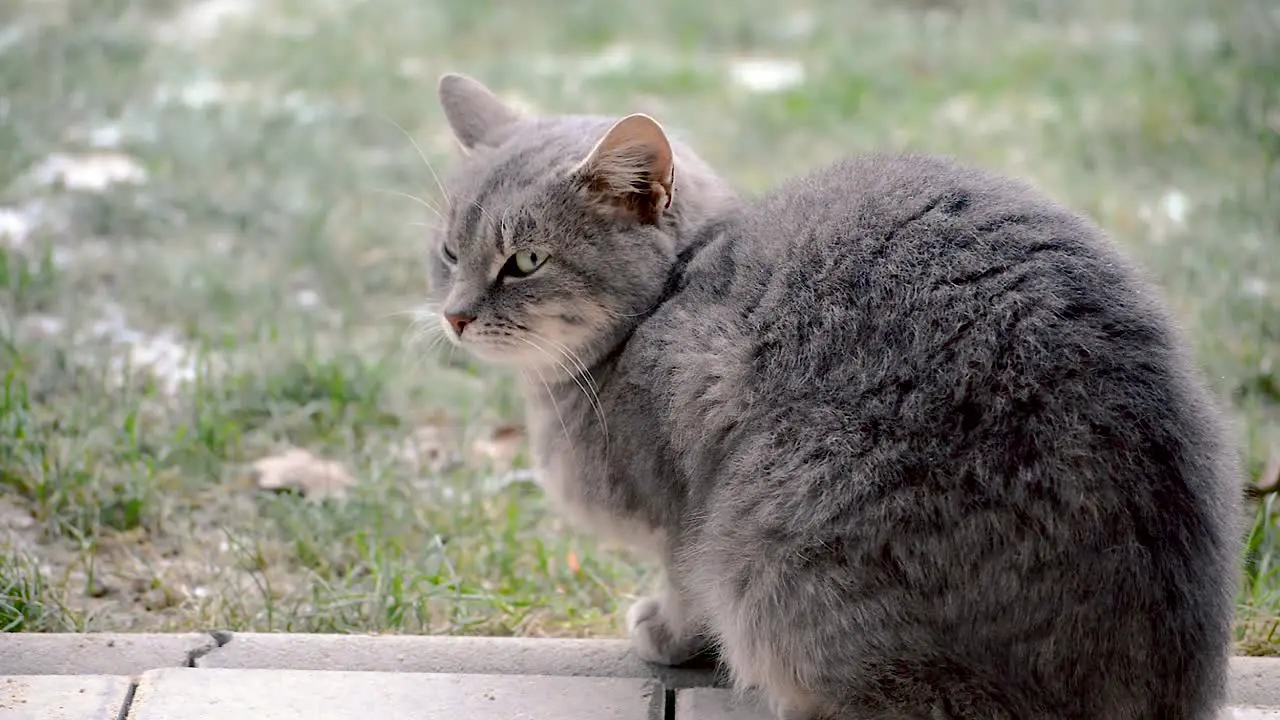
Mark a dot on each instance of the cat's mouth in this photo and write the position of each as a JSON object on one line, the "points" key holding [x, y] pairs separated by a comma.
{"points": [[516, 348]]}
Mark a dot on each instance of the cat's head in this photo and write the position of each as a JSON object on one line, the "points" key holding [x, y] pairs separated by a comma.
{"points": [[560, 231]]}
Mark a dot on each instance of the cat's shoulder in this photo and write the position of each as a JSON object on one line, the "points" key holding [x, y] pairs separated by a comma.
{"points": [[888, 176], [865, 192]]}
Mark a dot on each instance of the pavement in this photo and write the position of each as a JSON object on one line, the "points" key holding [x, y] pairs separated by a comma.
{"points": [[225, 676]]}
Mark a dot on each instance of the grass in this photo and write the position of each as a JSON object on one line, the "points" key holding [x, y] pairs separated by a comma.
{"points": [[199, 267]]}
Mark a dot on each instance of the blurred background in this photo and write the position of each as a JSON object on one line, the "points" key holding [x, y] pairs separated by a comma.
{"points": [[216, 410]]}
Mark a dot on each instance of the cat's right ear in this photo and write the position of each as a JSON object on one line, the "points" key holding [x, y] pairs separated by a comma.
{"points": [[474, 113], [631, 170]]}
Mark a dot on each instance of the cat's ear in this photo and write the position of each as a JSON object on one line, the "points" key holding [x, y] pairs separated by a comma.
{"points": [[473, 111], [631, 169]]}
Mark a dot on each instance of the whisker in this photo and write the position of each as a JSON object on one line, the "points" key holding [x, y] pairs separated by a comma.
{"points": [[425, 161], [423, 333], [422, 324], [418, 313], [555, 406], [592, 400], [410, 339], [484, 212], [436, 342], [424, 321], [414, 198], [592, 388], [453, 347], [421, 356], [573, 358]]}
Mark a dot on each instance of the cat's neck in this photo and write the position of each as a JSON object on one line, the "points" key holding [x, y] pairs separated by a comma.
{"points": [[586, 376], [701, 201], [567, 385], [700, 197]]}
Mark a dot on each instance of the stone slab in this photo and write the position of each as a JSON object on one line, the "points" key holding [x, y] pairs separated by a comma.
{"points": [[1255, 681], [62, 697], [222, 694], [97, 653], [714, 704], [711, 704], [443, 654]]}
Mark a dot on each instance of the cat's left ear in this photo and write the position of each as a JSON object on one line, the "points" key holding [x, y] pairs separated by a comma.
{"points": [[631, 169], [474, 113]]}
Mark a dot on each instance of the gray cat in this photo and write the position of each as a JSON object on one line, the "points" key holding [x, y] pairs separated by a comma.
{"points": [[910, 440]]}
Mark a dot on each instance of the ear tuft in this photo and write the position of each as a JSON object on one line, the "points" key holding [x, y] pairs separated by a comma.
{"points": [[474, 113], [632, 169]]}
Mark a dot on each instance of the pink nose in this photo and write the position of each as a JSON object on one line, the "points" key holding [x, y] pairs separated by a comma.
{"points": [[459, 322]]}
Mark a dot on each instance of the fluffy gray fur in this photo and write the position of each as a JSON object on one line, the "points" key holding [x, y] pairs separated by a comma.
{"points": [[909, 439]]}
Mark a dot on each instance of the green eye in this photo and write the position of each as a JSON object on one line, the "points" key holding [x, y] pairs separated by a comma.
{"points": [[524, 262]]}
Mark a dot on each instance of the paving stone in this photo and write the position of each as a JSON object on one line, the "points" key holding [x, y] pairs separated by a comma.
{"points": [[1255, 682], [221, 694], [62, 697], [442, 654], [97, 653], [712, 704]]}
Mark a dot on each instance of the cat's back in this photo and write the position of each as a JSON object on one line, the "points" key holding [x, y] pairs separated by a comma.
{"points": [[909, 359], [922, 264], [907, 294], [906, 264], [895, 215]]}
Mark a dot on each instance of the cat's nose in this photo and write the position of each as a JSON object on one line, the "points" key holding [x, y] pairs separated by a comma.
{"points": [[459, 322]]}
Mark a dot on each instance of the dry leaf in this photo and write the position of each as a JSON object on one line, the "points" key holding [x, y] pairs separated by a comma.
{"points": [[572, 561], [316, 478], [498, 448], [1269, 480], [430, 448]]}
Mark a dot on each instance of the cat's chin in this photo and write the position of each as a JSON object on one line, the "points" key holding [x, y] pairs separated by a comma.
{"points": [[502, 356], [512, 357]]}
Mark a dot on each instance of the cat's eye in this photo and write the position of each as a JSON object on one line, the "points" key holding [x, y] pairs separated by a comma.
{"points": [[448, 254], [529, 260], [524, 263]]}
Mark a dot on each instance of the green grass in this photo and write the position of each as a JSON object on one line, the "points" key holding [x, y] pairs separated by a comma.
{"points": [[240, 294]]}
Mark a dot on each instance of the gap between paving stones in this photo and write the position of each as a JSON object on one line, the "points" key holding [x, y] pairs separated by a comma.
{"points": [[122, 654], [218, 638], [129, 695]]}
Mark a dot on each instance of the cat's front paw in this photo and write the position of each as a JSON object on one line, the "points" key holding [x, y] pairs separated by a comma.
{"points": [[654, 638]]}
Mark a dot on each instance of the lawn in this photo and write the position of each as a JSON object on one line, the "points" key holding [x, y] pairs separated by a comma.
{"points": [[211, 243]]}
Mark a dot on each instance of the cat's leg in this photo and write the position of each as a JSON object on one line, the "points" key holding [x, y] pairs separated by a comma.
{"points": [[800, 706], [664, 628], [782, 630]]}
